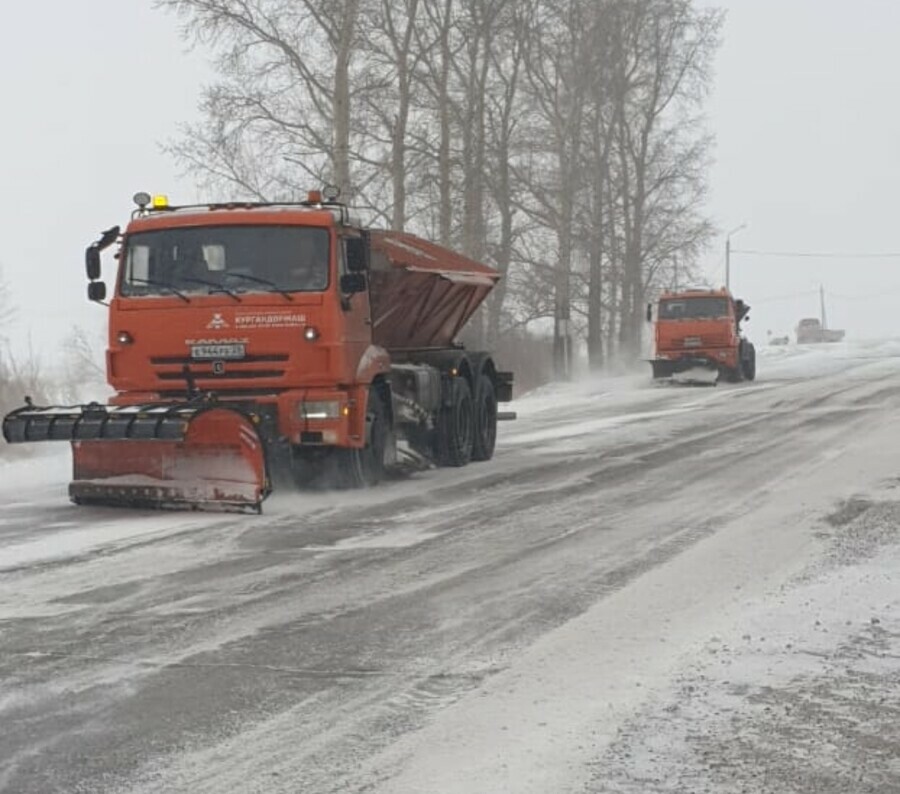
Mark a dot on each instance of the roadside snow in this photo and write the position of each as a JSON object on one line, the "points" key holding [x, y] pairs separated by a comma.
{"points": [[801, 696], [26, 472], [796, 361]]}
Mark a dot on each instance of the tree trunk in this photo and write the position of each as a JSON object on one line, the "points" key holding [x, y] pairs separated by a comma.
{"points": [[341, 105], [445, 185], [401, 45]]}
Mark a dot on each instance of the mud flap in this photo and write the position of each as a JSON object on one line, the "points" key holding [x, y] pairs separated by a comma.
{"points": [[219, 462]]}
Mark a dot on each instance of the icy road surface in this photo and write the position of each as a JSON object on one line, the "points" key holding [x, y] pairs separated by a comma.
{"points": [[649, 589]]}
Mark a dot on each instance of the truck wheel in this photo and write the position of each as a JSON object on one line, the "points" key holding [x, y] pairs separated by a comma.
{"points": [[485, 420], [748, 363], [361, 467], [736, 374], [455, 426]]}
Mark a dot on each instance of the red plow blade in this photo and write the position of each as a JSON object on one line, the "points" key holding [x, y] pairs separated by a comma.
{"points": [[219, 463]]}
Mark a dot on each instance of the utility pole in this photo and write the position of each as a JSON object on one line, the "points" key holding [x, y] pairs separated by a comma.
{"points": [[822, 305], [728, 262], [728, 253]]}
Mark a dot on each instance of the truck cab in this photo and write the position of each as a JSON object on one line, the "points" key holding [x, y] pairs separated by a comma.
{"points": [[697, 336]]}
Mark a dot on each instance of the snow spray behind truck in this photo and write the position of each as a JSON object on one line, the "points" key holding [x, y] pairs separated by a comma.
{"points": [[698, 339], [251, 342]]}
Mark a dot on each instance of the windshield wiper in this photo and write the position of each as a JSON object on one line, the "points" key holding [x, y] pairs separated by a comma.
{"points": [[264, 281], [164, 285], [215, 287]]}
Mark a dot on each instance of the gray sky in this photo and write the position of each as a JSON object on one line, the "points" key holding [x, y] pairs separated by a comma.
{"points": [[89, 90], [807, 133], [804, 111]]}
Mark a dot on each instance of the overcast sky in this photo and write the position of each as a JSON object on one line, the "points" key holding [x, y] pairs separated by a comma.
{"points": [[804, 111]]}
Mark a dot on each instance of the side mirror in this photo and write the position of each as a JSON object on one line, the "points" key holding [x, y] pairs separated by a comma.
{"points": [[92, 262], [357, 254], [649, 312], [97, 291], [353, 282]]}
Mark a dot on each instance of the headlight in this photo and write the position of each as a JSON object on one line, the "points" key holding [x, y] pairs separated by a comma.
{"points": [[320, 409]]}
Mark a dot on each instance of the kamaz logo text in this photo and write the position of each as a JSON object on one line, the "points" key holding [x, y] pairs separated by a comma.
{"points": [[218, 321]]}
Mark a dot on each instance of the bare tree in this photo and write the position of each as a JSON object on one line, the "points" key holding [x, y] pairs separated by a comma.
{"points": [[7, 308], [8, 384], [662, 71], [275, 104], [393, 51], [84, 369], [557, 64], [559, 140], [503, 140]]}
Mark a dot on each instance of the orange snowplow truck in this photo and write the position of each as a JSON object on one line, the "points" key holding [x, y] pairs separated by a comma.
{"points": [[260, 343], [698, 337]]}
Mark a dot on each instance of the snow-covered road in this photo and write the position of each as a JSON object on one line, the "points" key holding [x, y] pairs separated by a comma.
{"points": [[649, 589]]}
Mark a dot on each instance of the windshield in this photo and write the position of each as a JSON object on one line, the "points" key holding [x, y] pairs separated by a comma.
{"points": [[236, 259], [693, 308]]}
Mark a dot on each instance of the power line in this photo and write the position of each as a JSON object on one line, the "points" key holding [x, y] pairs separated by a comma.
{"points": [[792, 296], [816, 255], [830, 295], [870, 296]]}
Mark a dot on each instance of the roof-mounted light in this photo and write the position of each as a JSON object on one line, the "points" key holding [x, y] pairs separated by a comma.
{"points": [[160, 202], [331, 192], [142, 199], [314, 197]]}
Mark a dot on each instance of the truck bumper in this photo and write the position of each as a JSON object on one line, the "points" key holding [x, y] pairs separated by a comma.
{"points": [[670, 364], [323, 417]]}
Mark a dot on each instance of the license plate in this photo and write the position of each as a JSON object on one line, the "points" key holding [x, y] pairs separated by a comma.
{"points": [[230, 351], [692, 341]]}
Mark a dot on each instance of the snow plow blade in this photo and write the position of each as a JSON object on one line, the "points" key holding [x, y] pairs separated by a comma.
{"points": [[186, 455], [697, 376], [695, 370]]}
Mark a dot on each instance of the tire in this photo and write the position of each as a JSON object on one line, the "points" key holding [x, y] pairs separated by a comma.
{"points": [[366, 466], [748, 362], [730, 375], [485, 408], [735, 375], [455, 427], [660, 371]]}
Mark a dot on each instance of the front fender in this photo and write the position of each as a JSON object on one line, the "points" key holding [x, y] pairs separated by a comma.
{"points": [[373, 362]]}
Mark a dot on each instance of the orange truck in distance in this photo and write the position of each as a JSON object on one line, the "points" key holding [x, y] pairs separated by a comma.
{"points": [[697, 337], [255, 343]]}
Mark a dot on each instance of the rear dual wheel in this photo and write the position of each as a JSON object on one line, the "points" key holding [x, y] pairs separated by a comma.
{"points": [[485, 438], [455, 426]]}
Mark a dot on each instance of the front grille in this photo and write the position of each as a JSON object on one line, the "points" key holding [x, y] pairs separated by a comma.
{"points": [[175, 368], [228, 374], [182, 360], [231, 394]]}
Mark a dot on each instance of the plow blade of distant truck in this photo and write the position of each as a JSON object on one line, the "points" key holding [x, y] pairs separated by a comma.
{"points": [[695, 371], [181, 456], [697, 376]]}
